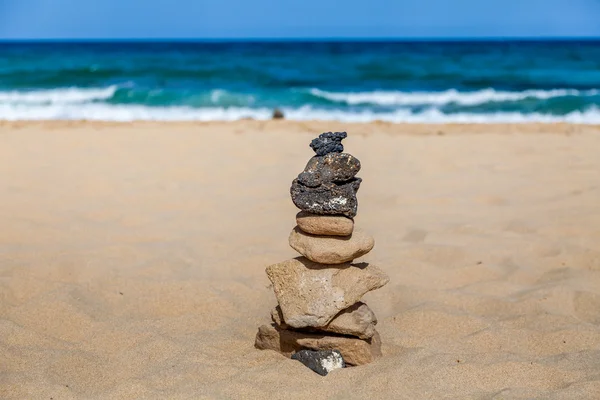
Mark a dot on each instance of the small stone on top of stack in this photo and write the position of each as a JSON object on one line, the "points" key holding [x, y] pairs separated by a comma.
{"points": [[319, 293]]}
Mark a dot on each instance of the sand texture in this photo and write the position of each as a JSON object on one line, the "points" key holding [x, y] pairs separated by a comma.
{"points": [[132, 260]]}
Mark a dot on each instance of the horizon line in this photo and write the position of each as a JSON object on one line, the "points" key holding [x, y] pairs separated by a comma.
{"points": [[316, 39]]}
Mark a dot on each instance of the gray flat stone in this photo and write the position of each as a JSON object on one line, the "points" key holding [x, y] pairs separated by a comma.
{"points": [[328, 198], [332, 167]]}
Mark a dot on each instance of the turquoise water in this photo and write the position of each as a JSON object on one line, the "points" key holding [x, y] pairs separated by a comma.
{"points": [[348, 81]]}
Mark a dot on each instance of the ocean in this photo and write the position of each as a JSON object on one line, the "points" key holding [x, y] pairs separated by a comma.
{"points": [[419, 81]]}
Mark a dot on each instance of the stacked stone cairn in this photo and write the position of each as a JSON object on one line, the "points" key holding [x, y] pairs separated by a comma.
{"points": [[319, 293]]}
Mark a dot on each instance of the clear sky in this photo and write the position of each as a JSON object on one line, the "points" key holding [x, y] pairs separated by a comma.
{"points": [[72, 19]]}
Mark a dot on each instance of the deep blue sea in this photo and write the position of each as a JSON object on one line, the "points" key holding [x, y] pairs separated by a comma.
{"points": [[493, 81]]}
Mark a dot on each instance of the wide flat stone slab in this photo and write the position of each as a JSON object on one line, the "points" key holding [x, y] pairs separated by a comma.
{"points": [[312, 294], [354, 351], [357, 320]]}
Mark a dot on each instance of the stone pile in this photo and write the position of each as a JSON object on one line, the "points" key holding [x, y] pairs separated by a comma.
{"points": [[319, 293]]}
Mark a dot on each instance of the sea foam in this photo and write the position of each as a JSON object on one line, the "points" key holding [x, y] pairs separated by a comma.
{"points": [[111, 112], [71, 95], [451, 96], [93, 104]]}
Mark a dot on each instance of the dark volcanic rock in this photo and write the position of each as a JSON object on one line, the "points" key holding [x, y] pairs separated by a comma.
{"points": [[332, 167], [328, 184], [328, 198], [322, 362], [328, 142], [278, 114]]}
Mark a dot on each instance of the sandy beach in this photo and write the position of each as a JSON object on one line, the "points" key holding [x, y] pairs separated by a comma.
{"points": [[132, 259]]}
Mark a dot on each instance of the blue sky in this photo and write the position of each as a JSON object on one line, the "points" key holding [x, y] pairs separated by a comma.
{"points": [[296, 19]]}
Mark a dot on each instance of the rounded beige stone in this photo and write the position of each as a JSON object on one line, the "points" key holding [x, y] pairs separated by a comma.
{"points": [[332, 225], [331, 249]]}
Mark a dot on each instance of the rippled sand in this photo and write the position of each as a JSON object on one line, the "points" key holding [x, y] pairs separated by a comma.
{"points": [[132, 260]]}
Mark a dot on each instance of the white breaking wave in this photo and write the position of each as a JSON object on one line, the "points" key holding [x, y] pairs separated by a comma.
{"points": [[124, 113], [75, 95], [434, 115], [452, 96], [72, 95]]}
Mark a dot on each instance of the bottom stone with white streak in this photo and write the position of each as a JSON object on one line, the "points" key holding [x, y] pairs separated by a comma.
{"points": [[320, 361]]}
